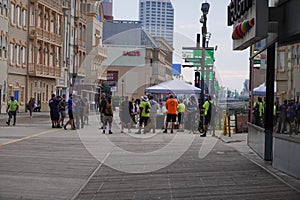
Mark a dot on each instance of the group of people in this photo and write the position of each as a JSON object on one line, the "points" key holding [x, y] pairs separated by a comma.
{"points": [[77, 108], [286, 117], [148, 108]]}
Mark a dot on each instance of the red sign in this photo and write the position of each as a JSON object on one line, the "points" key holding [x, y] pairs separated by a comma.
{"points": [[131, 53]]}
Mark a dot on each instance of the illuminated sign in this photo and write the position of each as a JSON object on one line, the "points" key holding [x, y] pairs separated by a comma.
{"points": [[250, 22]]}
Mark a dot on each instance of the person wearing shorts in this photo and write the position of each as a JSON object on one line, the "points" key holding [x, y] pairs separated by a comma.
{"points": [[171, 105], [70, 113]]}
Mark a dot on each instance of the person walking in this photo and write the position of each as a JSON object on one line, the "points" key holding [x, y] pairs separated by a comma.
{"points": [[144, 114], [12, 109], [180, 115], [103, 101], [31, 105], [86, 111], [108, 115], [54, 111], [70, 113], [153, 113], [171, 106], [125, 114]]}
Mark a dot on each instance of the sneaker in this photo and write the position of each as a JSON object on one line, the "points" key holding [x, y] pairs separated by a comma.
{"points": [[109, 132], [7, 123], [165, 131], [14, 124], [65, 127], [58, 126]]}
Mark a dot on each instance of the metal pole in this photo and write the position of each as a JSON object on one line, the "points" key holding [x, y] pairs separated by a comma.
{"points": [[204, 31]]}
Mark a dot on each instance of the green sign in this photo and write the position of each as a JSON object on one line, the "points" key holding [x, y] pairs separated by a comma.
{"points": [[210, 76], [194, 56]]}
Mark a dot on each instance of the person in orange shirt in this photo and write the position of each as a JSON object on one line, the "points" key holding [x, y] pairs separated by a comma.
{"points": [[171, 105]]}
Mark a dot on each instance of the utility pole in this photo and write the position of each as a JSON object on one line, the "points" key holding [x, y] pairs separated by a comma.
{"points": [[203, 19]]}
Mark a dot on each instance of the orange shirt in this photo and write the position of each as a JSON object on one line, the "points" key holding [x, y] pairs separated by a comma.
{"points": [[171, 105]]}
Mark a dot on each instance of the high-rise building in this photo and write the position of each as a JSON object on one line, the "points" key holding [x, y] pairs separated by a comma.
{"points": [[107, 8], [157, 17]]}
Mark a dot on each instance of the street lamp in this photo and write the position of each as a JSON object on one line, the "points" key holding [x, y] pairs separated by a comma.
{"points": [[203, 19]]}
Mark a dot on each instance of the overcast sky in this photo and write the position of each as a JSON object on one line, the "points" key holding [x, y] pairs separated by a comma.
{"points": [[232, 67]]}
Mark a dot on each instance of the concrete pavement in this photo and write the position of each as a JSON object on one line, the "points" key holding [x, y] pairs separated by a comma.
{"points": [[38, 162]]}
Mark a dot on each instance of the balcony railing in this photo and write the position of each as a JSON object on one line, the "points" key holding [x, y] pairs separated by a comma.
{"points": [[53, 5], [44, 70], [101, 51], [44, 35]]}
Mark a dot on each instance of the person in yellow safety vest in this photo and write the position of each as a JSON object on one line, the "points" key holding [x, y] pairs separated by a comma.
{"points": [[258, 112]]}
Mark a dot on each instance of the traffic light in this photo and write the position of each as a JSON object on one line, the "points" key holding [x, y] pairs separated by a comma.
{"points": [[197, 79]]}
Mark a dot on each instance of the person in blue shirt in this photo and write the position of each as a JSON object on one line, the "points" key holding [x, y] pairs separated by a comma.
{"points": [[70, 113]]}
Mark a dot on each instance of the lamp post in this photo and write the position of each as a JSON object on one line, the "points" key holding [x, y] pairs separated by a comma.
{"points": [[203, 19], [122, 88]]}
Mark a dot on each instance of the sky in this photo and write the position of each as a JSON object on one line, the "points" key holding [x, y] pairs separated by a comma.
{"points": [[231, 67]]}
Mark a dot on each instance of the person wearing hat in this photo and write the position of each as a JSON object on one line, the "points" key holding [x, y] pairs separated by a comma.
{"points": [[144, 114]]}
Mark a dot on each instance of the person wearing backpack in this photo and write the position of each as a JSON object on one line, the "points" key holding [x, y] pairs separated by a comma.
{"points": [[108, 115], [258, 112], [144, 114]]}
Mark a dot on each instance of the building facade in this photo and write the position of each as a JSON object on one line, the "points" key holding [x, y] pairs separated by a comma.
{"points": [[17, 50], [4, 22], [157, 17]]}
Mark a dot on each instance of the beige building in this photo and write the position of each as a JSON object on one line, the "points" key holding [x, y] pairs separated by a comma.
{"points": [[96, 53], [288, 72], [4, 20], [17, 50]]}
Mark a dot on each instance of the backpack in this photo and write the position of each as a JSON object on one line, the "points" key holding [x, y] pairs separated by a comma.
{"points": [[211, 108], [147, 108], [108, 109]]}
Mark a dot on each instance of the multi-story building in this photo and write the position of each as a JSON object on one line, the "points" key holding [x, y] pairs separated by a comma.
{"points": [[44, 49], [17, 80], [4, 21], [107, 8], [157, 17], [135, 60], [95, 75], [288, 72]]}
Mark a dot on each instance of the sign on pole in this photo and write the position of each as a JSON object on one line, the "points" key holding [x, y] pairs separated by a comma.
{"points": [[192, 57]]}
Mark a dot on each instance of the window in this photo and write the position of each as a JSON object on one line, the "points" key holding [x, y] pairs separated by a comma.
{"points": [[298, 55], [281, 60], [4, 11], [12, 13], [11, 53], [19, 16], [24, 12], [4, 42], [17, 54], [23, 54], [1, 46]]}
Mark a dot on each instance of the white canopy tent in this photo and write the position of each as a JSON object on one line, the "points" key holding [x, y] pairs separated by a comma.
{"points": [[173, 86], [261, 90]]}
